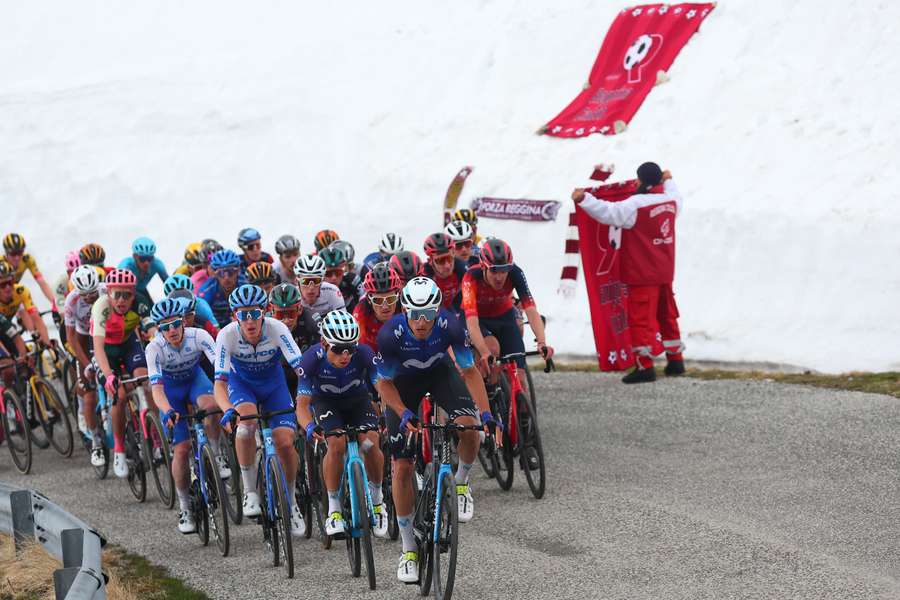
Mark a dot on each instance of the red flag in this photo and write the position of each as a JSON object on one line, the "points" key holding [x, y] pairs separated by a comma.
{"points": [[642, 42]]}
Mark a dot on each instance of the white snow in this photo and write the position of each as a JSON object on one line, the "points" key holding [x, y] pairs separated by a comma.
{"points": [[183, 120]]}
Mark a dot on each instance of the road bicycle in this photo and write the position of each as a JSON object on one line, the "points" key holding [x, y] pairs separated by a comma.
{"points": [[234, 488], [16, 430]]}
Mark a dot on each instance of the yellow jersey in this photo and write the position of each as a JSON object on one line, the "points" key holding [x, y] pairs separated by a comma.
{"points": [[20, 297], [26, 264]]}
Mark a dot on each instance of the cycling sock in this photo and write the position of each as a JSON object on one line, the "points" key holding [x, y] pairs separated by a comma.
{"points": [[462, 473], [96, 438], [334, 502], [375, 492], [407, 535], [248, 478], [184, 498], [118, 444]]}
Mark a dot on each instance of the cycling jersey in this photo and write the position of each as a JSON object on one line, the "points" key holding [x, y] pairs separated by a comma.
{"points": [[184, 269], [369, 325], [113, 327], [211, 292], [21, 297], [285, 275], [481, 300], [451, 286], [204, 314], [156, 268], [199, 278], [8, 333], [178, 363], [263, 257], [237, 357], [305, 333], [349, 286], [400, 353], [77, 312], [330, 298], [320, 378], [26, 264], [61, 289]]}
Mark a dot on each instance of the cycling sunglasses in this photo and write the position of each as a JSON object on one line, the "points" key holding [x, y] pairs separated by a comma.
{"points": [[249, 314], [501, 268], [310, 281], [429, 314], [444, 259], [174, 324], [144, 259], [15, 253], [119, 295], [228, 271], [384, 300], [339, 272], [343, 348], [290, 313], [253, 246], [465, 244]]}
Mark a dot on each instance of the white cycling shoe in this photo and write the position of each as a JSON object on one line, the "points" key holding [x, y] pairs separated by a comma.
{"points": [[408, 571], [466, 504], [186, 523], [120, 466], [251, 507], [380, 526], [334, 525], [298, 525], [97, 457], [224, 469]]}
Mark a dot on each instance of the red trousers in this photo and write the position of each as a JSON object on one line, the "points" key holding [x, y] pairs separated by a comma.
{"points": [[652, 309]]}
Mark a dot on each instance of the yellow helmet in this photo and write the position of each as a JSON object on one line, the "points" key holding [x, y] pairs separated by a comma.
{"points": [[465, 214], [193, 254], [13, 243]]}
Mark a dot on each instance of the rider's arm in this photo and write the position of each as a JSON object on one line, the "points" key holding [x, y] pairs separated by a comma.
{"points": [[289, 349], [39, 325], [100, 312], [390, 396], [159, 397], [307, 368], [304, 414], [160, 268], [100, 355], [386, 363], [222, 366], [21, 348], [207, 345], [462, 353], [80, 355], [520, 284], [48, 293], [470, 309]]}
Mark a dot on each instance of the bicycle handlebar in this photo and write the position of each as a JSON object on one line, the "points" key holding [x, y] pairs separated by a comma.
{"points": [[349, 429], [266, 416]]}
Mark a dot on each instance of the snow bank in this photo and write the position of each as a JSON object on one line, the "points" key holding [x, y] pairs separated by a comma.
{"points": [[187, 120]]}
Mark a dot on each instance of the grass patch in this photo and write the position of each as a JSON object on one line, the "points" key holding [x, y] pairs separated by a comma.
{"points": [[137, 578]]}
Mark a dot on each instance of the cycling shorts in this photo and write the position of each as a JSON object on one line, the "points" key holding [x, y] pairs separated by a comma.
{"points": [[127, 356], [179, 393], [267, 396], [506, 329], [356, 411]]}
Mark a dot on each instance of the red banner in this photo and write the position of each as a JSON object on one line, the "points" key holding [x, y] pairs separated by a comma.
{"points": [[641, 43], [521, 210]]}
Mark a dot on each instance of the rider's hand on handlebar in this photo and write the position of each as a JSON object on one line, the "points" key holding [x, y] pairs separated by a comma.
{"points": [[172, 418], [111, 384], [485, 363], [545, 350], [314, 433], [228, 419], [409, 422]]}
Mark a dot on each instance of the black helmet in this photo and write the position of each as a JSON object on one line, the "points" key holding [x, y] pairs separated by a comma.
{"points": [[284, 295]]}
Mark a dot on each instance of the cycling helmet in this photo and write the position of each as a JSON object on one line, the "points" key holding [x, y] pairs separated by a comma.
{"points": [[92, 254], [407, 265], [143, 246], [177, 282], [459, 231], [120, 278], [287, 243], [339, 327], [285, 295], [390, 243], [13, 243], [186, 298], [420, 293], [85, 279], [466, 214], [382, 279], [310, 265], [166, 309], [224, 258], [496, 254], [438, 243], [260, 272], [193, 254], [325, 238], [345, 247], [332, 257], [72, 261], [248, 296], [248, 235], [6, 269], [208, 247]]}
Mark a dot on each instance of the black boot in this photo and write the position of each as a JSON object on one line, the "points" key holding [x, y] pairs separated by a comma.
{"points": [[674, 368], [640, 376]]}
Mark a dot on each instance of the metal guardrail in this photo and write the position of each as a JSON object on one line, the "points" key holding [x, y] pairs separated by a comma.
{"points": [[29, 516]]}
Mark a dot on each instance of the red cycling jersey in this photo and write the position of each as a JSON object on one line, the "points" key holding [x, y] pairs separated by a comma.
{"points": [[369, 325], [450, 285], [481, 300]]}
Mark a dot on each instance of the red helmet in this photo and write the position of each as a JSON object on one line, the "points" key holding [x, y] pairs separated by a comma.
{"points": [[438, 243], [382, 279], [497, 255], [120, 278], [407, 265]]}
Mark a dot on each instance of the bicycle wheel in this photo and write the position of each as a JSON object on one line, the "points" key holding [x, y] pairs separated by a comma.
{"points": [[354, 554], [424, 526], [201, 515], [387, 487], [16, 431], [448, 538], [215, 505], [531, 450], [282, 517], [319, 493], [487, 456], [365, 523], [53, 417], [70, 384], [505, 470], [137, 475], [531, 389], [301, 486], [156, 447], [234, 488]]}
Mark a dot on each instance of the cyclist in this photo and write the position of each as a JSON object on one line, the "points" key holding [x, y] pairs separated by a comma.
{"points": [[412, 361], [16, 299], [249, 379], [463, 236], [20, 261], [117, 349], [407, 265], [325, 238], [317, 296], [445, 270], [288, 249], [349, 254], [468, 215], [196, 308], [389, 245], [382, 287], [176, 379], [488, 305], [193, 259], [226, 266], [337, 273], [250, 241], [145, 265], [11, 346], [208, 247], [63, 285], [77, 315], [94, 255], [333, 387], [285, 305], [262, 274]]}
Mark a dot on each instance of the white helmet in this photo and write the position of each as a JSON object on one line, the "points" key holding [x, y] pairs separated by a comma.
{"points": [[459, 231], [339, 327], [390, 243], [421, 293], [85, 279], [309, 265]]}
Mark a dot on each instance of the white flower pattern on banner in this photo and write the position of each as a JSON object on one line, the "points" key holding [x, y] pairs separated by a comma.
{"points": [[612, 357], [691, 14], [557, 129], [636, 12], [663, 9], [579, 131], [623, 354], [677, 10]]}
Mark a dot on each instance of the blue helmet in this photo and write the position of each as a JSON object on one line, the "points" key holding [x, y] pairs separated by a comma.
{"points": [[248, 296], [187, 299], [224, 258], [248, 235], [177, 282], [143, 246], [166, 309]]}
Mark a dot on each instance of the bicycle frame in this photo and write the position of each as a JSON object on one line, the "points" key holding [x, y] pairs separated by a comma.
{"points": [[268, 452], [515, 387], [198, 443], [351, 457]]}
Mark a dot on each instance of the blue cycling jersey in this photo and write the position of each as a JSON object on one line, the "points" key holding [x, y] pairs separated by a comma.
{"points": [[401, 353], [156, 268], [217, 300], [321, 379], [204, 313]]}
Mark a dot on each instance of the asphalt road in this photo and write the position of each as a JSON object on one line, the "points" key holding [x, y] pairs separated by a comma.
{"points": [[678, 489]]}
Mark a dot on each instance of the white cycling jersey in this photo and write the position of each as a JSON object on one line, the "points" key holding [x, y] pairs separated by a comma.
{"points": [[330, 298], [77, 312], [176, 363], [234, 355]]}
